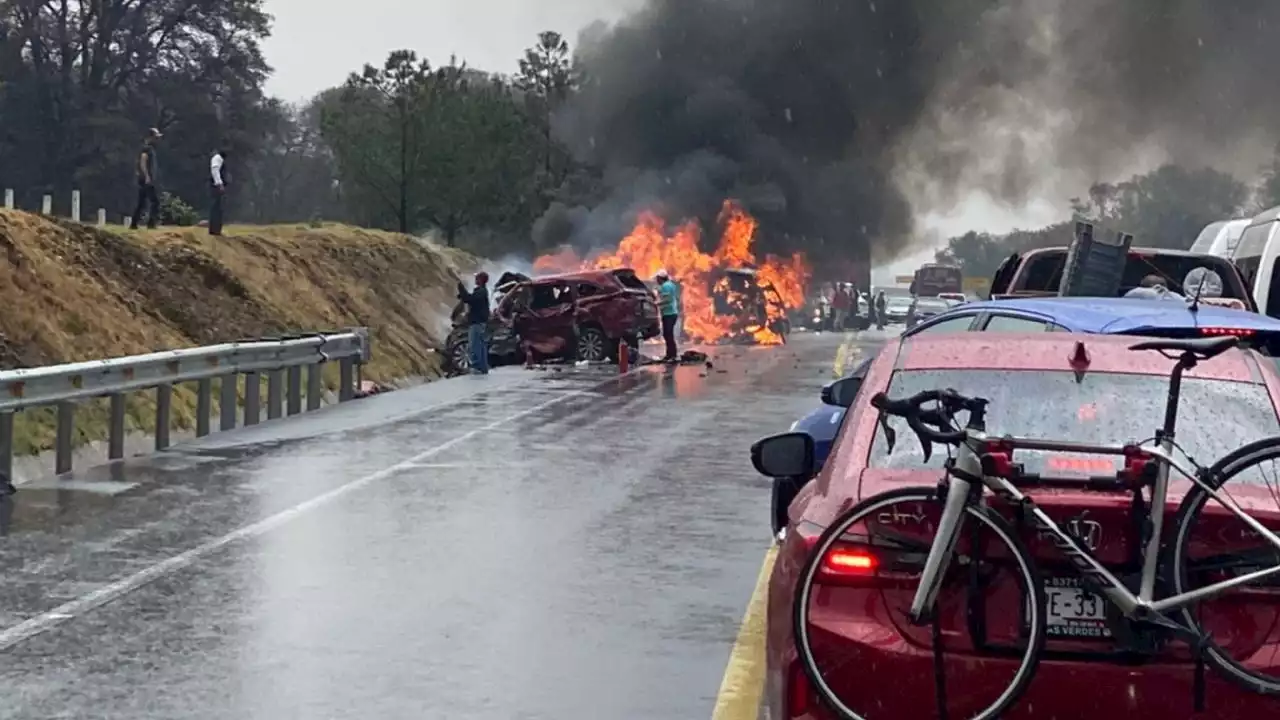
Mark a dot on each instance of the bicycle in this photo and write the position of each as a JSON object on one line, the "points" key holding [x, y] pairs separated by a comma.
{"points": [[983, 462]]}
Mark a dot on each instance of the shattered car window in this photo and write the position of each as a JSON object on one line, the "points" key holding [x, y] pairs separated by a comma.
{"points": [[550, 295], [1214, 416]]}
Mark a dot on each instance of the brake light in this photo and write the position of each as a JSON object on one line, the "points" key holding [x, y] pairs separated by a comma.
{"points": [[800, 697], [845, 561], [1218, 332]]}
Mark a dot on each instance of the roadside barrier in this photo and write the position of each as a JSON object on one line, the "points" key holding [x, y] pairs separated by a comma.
{"points": [[282, 359]]}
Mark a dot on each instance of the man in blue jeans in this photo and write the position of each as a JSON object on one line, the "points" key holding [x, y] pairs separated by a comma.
{"points": [[478, 315]]}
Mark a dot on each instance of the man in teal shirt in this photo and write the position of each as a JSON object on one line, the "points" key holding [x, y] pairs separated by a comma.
{"points": [[669, 306]]}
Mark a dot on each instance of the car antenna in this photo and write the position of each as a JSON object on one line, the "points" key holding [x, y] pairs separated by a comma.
{"points": [[1195, 301]]}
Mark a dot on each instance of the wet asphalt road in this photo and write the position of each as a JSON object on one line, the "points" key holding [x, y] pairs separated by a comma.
{"points": [[555, 545]]}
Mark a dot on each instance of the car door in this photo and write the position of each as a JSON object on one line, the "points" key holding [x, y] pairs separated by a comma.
{"points": [[548, 324], [1003, 276]]}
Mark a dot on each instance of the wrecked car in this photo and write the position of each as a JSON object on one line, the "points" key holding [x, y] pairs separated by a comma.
{"points": [[754, 305], [575, 316]]}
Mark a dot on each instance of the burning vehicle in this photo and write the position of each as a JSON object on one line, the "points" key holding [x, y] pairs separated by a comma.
{"points": [[727, 294], [572, 316], [753, 305]]}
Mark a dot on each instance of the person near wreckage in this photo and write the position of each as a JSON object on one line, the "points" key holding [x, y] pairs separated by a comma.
{"points": [[477, 302], [669, 307]]}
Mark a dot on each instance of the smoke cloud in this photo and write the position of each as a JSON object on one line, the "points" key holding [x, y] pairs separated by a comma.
{"points": [[837, 122]]}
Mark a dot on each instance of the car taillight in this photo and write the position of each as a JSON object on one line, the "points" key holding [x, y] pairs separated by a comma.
{"points": [[800, 696], [1218, 332], [844, 562]]}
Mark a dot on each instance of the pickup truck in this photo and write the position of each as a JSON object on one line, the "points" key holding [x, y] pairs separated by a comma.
{"points": [[1039, 272]]}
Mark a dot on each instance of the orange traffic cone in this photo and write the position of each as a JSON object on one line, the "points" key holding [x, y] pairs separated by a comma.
{"points": [[624, 357]]}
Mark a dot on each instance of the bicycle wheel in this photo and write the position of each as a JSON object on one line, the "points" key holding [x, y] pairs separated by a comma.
{"points": [[1211, 544], [851, 606]]}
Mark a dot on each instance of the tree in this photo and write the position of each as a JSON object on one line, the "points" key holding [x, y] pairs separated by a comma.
{"points": [[1167, 207], [375, 125], [84, 78], [547, 79], [294, 178]]}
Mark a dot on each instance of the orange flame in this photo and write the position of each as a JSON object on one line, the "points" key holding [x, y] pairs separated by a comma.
{"points": [[650, 247]]}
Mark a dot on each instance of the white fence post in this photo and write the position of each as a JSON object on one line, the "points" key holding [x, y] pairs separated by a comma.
{"points": [[75, 205], [102, 216], [128, 220], [8, 198], [46, 205]]}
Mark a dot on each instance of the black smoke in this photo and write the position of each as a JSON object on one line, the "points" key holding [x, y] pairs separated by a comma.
{"points": [[817, 113]]}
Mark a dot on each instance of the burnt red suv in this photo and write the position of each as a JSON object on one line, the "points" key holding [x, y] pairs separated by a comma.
{"points": [[580, 316]]}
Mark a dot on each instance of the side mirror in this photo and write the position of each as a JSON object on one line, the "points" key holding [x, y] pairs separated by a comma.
{"points": [[787, 455], [842, 392]]}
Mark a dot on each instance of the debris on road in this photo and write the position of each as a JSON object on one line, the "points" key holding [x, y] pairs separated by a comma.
{"points": [[369, 387]]}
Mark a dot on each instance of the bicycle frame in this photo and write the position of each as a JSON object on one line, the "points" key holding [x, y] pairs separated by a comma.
{"points": [[960, 493]]}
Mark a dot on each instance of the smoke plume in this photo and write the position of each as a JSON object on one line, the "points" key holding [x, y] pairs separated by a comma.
{"points": [[837, 122]]}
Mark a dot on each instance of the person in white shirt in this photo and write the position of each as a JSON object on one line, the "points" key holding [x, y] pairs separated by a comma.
{"points": [[218, 187]]}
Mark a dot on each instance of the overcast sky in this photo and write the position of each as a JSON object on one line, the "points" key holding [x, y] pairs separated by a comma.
{"points": [[314, 45]]}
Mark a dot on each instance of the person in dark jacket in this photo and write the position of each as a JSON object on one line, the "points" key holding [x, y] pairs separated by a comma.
{"points": [[146, 169], [477, 302]]}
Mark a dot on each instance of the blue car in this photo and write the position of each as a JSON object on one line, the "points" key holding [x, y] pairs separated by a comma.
{"points": [[1110, 316]]}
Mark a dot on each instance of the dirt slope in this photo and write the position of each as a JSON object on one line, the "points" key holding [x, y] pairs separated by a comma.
{"points": [[77, 292]]}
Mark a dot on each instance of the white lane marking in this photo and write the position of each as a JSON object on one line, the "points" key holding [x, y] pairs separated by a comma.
{"points": [[113, 591]]}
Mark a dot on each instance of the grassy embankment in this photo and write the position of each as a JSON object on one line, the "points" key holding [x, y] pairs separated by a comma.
{"points": [[71, 292]]}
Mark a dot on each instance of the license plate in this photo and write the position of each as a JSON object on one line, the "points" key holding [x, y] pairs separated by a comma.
{"points": [[1072, 612]]}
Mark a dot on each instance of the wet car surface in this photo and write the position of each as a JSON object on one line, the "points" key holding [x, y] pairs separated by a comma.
{"points": [[532, 544]]}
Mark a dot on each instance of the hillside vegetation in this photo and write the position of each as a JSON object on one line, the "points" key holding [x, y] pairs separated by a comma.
{"points": [[72, 292]]}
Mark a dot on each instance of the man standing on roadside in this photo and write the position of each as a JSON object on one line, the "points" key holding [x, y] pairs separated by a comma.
{"points": [[478, 316], [145, 168], [218, 180], [839, 308], [669, 306]]}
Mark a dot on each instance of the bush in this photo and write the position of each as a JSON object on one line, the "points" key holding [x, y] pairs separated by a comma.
{"points": [[175, 211]]}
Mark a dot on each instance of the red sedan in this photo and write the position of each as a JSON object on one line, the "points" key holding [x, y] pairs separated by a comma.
{"points": [[880, 662]]}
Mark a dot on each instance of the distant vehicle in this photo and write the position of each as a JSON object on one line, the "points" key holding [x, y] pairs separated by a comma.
{"points": [[958, 298], [1039, 273], [933, 279], [1257, 255], [754, 305], [580, 316], [896, 308], [924, 308], [1220, 238]]}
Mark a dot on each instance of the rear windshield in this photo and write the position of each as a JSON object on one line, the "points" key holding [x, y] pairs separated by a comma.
{"points": [[628, 278], [1043, 272], [1214, 416]]}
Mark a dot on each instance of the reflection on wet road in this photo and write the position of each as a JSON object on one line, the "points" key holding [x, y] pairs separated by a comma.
{"points": [[527, 545]]}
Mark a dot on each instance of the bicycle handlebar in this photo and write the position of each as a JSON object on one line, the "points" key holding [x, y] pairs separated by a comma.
{"points": [[923, 422]]}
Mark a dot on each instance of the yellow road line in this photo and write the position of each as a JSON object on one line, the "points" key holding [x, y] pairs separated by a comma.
{"points": [[743, 684], [842, 355]]}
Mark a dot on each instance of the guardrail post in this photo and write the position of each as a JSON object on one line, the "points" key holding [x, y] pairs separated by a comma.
{"points": [[315, 386], [164, 400], [115, 428], [62, 441], [128, 220], [75, 205], [227, 403], [252, 399], [204, 405], [6, 445], [295, 390], [275, 395], [346, 379], [46, 205], [8, 198], [102, 216]]}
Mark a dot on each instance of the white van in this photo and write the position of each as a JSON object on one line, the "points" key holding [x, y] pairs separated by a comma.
{"points": [[1256, 255], [1220, 238]]}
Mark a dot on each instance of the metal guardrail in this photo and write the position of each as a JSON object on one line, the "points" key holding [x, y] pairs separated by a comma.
{"points": [[282, 359]]}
